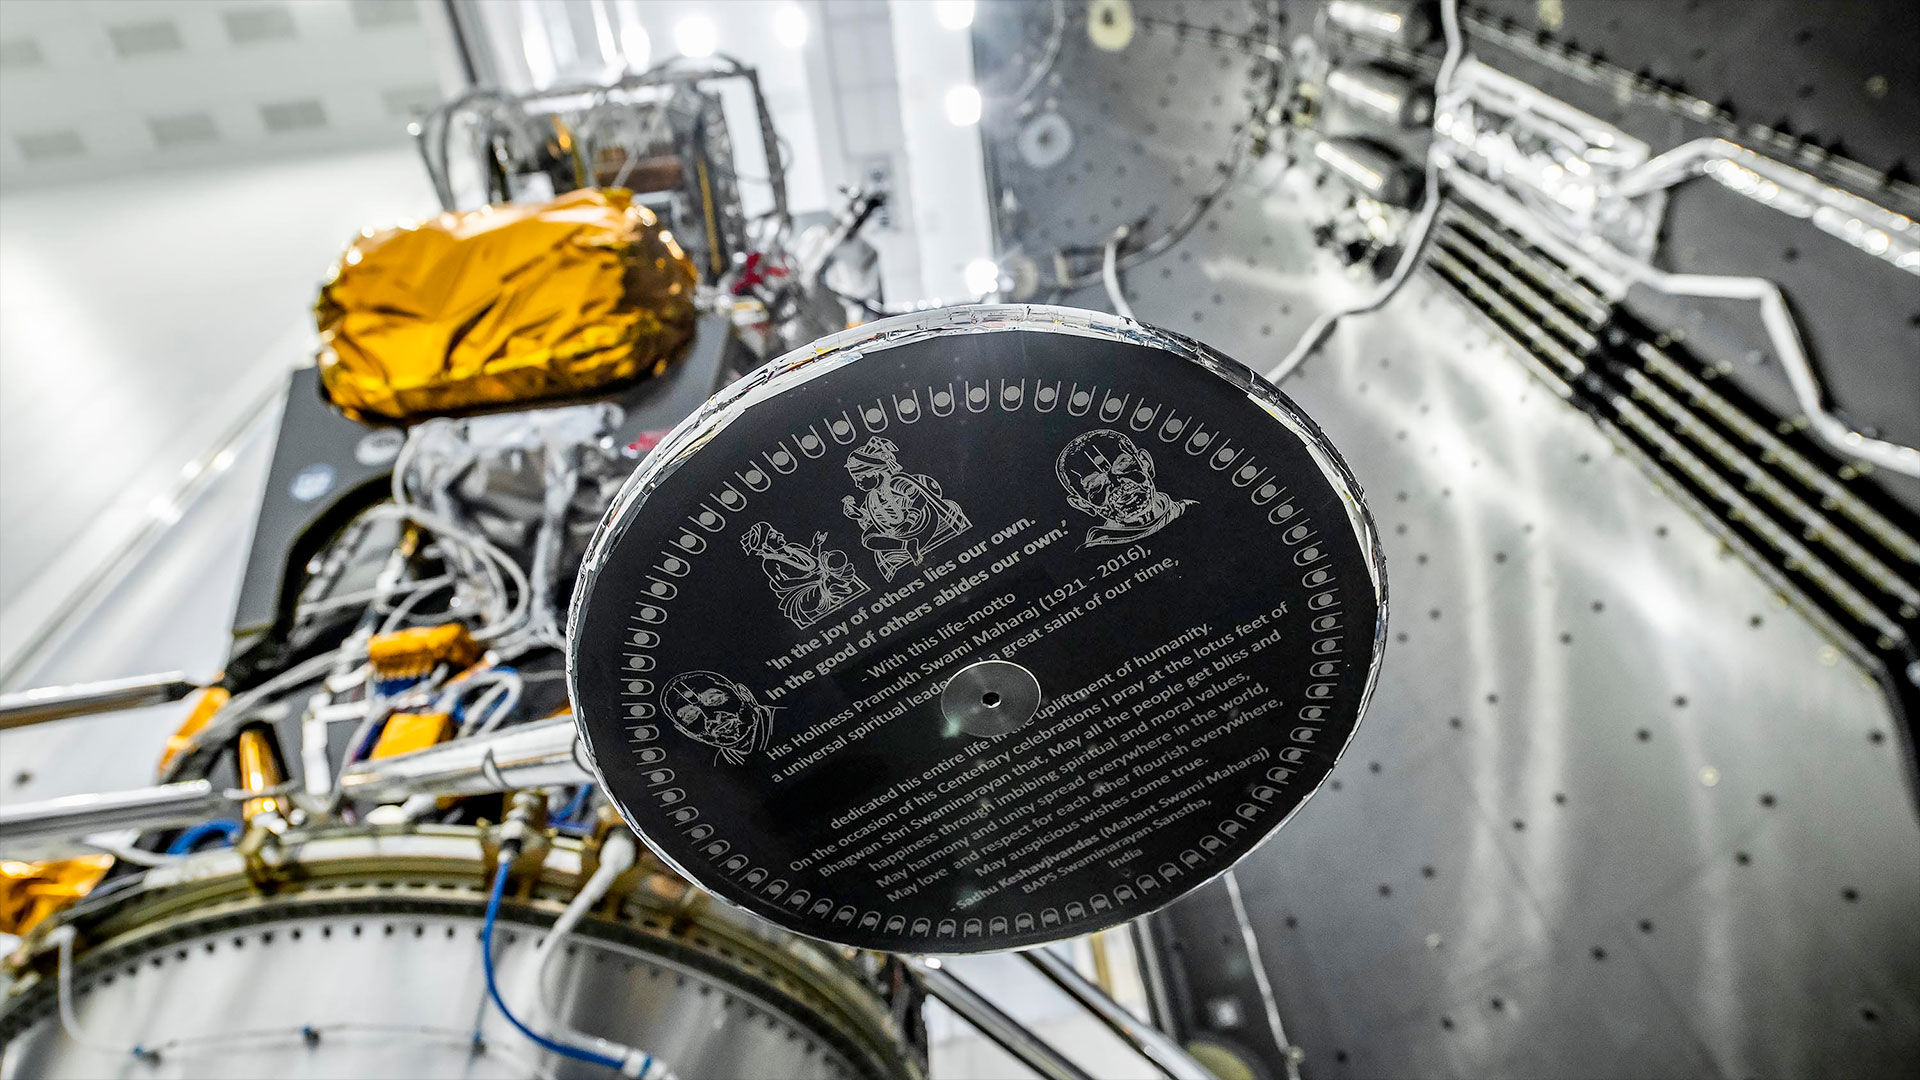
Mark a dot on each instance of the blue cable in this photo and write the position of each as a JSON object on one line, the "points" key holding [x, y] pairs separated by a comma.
{"points": [[357, 753], [459, 713], [493, 989], [188, 840], [573, 808], [380, 690]]}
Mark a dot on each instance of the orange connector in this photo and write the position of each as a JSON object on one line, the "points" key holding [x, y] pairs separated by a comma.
{"points": [[406, 732], [415, 652]]}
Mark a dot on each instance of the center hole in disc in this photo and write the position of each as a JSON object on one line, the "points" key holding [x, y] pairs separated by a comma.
{"points": [[988, 699]]}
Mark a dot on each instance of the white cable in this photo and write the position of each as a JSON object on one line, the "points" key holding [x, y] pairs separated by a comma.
{"points": [[373, 595], [563, 480], [471, 724], [403, 609], [1415, 240], [1890, 236], [1065, 282], [1110, 273], [1047, 58], [1250, 941], [617, 855], [503, 708], [473, 544], [126, 852], [490, 555], [316, 764], [402, 462], [495, 705], [379, 707], [504, 689], [341, 682], [70, 1023], [362, 731], [240, 709], [1782, 333]]}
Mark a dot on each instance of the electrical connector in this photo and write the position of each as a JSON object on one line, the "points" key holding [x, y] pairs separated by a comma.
{"points": [[414, 652], [406, 732]]}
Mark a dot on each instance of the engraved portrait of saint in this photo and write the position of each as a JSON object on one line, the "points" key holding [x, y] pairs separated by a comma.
{"points": [[902, 515], [809, 582], [710, 708], [1110, 478]]}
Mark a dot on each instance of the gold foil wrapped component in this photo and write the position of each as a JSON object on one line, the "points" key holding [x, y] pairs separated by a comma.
{"points": [[258, 759], [31, 891], [205, 706], [504, 304]]}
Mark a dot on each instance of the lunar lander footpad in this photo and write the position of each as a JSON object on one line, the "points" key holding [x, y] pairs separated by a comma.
{"points": [[976, 629]]}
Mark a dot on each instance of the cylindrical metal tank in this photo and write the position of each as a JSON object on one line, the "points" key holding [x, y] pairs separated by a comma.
{"points": [[358, 954]]}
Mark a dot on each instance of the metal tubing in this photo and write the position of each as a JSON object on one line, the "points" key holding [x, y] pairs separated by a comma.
{"points": [[1399, 21], [1865, 224], [1159, 998], [1251, 941], [45, 703], [1154, 1045], [1372, 171], [1384, 96], [532, 755], [1784, 335], [105, 811], [1413, 241], [1036, 1053]]}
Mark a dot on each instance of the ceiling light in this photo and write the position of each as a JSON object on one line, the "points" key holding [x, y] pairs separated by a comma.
{"points": [[963, 106], [983, 277], [954, 14], [696, 36], [790, 25], [636, 47]]}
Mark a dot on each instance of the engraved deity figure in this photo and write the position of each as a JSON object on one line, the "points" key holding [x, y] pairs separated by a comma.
{"points": [[903, 515], [809, 582], [1109, 477], [710, 708]]}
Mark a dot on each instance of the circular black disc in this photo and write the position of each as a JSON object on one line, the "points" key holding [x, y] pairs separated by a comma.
{"points": [[780, 640]]}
